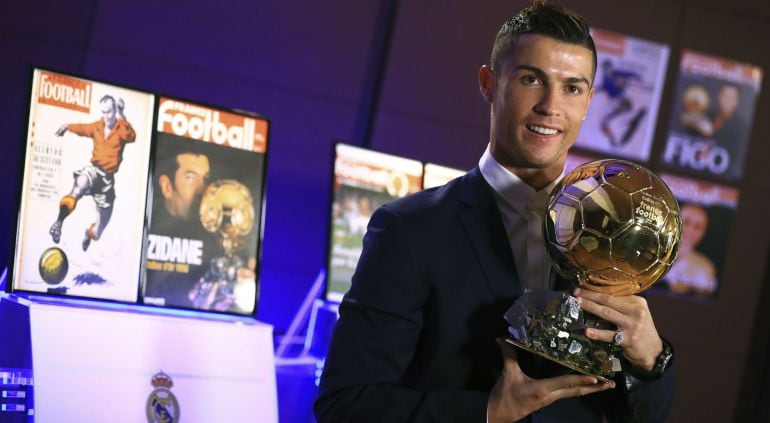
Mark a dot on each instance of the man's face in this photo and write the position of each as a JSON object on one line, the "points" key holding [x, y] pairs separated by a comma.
{"points": [[108, 112], [539, 99], [729, 98], [188, 184], [694, 225]]}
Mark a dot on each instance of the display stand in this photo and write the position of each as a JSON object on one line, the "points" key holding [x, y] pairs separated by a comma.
{"points": [[96, 361], [310, 329]]}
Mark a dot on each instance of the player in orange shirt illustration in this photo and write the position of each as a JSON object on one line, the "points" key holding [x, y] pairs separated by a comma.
{"points": [[110, 134]]}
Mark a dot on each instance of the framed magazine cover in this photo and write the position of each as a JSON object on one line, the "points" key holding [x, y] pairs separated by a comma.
{"points": [[83, 189], [205, 208], [630, 77], [708, 211], [362, 181], [712, 116], [435, 175]]}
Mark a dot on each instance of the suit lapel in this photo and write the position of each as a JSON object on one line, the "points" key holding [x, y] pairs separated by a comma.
{"points": [[484, 228]]}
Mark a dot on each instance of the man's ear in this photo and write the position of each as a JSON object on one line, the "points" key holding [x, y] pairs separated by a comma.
{"points": [[486, 82], [590, 97], [165, 186]]}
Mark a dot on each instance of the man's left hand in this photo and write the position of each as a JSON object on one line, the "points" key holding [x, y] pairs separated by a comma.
{"points": [[641, 343]]}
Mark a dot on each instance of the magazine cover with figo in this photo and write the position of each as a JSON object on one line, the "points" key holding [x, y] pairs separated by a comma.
{"points": [[205, 222], [82, 203], [712, 115]]}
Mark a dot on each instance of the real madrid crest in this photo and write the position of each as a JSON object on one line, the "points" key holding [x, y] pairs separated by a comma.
{"points": [[162, 406]]}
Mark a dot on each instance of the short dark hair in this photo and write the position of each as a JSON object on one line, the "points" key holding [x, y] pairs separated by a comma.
{"points": [[107, 97], [167, 155], [545, 19]]}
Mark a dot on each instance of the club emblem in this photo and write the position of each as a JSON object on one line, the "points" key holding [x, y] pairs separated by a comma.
{"points": [[162, 406]]}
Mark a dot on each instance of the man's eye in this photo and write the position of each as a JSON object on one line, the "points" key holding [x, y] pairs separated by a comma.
{"points": [[529, 79], [572, 89]]}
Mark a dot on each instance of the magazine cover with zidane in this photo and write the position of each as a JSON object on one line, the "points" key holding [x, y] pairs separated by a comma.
{"points": [[205, 219]]}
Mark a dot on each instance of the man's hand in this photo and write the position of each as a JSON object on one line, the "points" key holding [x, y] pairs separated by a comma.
{"points": [[62, 129], [516, 395], [641, 343]]}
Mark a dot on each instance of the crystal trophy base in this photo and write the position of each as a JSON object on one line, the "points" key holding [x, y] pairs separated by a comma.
{"points": [[552, 325]]}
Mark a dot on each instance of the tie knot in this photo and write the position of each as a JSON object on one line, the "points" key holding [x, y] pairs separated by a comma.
{"points": [[539, 203]]}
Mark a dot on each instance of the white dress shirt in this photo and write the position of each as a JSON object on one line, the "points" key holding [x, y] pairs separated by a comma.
{"points": [[522, 210]]}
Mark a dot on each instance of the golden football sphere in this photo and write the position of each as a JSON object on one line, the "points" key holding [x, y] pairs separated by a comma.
{"points": [[53, 265], [227, 207], [612, 226]]}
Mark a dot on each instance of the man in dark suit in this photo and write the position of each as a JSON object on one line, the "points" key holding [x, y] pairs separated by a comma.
{"points": [[416, 339]]}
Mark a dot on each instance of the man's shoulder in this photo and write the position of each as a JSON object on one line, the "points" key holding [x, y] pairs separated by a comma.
{"points": [[123, 123], [432, 202]]}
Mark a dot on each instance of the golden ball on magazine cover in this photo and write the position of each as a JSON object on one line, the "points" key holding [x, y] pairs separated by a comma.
{"points": [[228, 209], [53, 265]]}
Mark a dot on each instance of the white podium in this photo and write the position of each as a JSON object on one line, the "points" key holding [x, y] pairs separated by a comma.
{"points": [[96, 364]]}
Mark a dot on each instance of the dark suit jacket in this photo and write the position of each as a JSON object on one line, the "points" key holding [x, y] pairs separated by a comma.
{"points": [[415, 341]]}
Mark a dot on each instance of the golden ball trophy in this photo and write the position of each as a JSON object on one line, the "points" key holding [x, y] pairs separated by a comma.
{"points": [[226, 210], [611, 226]]}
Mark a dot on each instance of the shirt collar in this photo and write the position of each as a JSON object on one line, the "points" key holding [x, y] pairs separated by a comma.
{"points": [[522, 197]]}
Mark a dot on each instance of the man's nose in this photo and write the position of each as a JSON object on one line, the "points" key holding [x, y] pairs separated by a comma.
{"points": [[550, 103]]}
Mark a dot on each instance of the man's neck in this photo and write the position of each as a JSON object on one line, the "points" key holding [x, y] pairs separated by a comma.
{"points": [[536, 178], [174, 212]]}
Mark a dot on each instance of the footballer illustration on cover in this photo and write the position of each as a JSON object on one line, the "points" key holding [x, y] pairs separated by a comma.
{"points": [[84, 189], [205, 223], [629, 83]]}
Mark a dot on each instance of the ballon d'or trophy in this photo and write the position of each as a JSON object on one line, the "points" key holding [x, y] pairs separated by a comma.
{"points": [[226, 210], [611, 226]]}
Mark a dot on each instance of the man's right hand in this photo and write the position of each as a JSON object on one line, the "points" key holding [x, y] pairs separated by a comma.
{"points": [[62, 129], [516, 395]]}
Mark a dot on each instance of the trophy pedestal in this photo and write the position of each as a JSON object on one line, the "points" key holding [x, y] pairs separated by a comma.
{"points": [[96, 361], [551, 325]]}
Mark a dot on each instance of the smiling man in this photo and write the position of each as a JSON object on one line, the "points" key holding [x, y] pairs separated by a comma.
{"points": [[539, 93], [418, 334]]}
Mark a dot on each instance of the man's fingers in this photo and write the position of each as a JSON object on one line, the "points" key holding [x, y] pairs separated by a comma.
{"points": [[581, 390], [568, 381], [617, 310], [515, 395], [510, 359], [614, 290], [62, 129], [507, 349], [574, 386], [618, 302], [607, 313], [601, 335]]}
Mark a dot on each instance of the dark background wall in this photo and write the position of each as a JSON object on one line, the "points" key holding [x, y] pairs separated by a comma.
{"points": [[314, 69]]}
